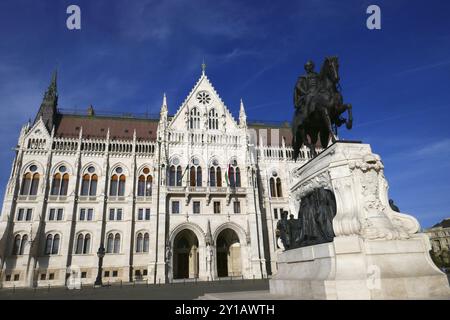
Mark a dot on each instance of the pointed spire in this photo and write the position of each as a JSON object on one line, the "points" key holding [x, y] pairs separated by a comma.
{"points": [[48, 108], [164, 103], [242, 116], [164, 109], [54, 77], [52, 91], [203, 67]]}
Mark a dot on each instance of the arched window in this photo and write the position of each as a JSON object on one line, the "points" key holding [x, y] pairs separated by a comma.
{"points": [[122, 181], [34, 184], [87, 243], [212, 177], [55, 245], [139, 242], [114, 184], [17, 243], [194, 120], [83, 244], [215, 174], [26, 183], [64, 185], [172, 176], [56, 184], [179, 176], [279, 192], [79, 247], [30, 181], [175, 176], [89, 182], [52, 244], [23, 244], [110, 243], [272, 187], [60, 182], [145, 183], [275, 186], [199, 176], [93, 185], [113, 243], [117, 243], [192, 177], [219, 176], [238, 177], [233, 174], [48, 244], [118, 180], [146, 242], [213, 119], [195, 176]]}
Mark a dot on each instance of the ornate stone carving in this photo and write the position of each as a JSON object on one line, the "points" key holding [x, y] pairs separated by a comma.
{"points": [[355, 175]]}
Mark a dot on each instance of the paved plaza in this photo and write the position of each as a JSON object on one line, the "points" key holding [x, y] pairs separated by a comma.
{"points": [[175, 291]]}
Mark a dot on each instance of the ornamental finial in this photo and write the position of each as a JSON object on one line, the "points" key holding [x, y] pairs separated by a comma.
{"points": [[203, 67]]}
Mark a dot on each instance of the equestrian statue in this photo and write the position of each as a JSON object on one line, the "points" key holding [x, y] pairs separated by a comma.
{"points": [[318, 107]]}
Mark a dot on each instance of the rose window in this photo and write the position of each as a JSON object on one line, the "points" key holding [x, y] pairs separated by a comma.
{"points": [[203, 97]]}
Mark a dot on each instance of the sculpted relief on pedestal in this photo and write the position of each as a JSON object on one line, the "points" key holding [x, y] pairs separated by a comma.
{"points": [[347, 197]]}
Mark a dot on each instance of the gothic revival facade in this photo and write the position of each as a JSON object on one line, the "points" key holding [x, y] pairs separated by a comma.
{"points": [[195, 195]]}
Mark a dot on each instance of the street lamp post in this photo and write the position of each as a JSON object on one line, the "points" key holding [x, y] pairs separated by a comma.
{"points": [[100, 255]]}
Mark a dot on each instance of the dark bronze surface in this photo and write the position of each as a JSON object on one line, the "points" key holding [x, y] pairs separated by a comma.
{"points": [[314, 223], [318, 107]]}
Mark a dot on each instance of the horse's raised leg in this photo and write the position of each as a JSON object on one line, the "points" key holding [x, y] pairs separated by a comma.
{"points": [[349, 122], [327, 120]]}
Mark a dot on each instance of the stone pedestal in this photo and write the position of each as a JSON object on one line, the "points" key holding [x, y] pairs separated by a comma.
{"points": [[377, 253]]}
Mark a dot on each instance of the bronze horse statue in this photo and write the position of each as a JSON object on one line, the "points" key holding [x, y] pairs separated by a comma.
{"points": [[320, 114]]}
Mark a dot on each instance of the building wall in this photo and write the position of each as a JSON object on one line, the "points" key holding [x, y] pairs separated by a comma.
{"points": [[253, 228], [439, 238]]}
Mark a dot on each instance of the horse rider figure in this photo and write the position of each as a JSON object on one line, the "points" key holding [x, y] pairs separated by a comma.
{"points": [[306, 88]]}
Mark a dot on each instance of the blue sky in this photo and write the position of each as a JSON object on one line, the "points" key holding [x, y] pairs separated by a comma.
{"points": [[129, 52]]}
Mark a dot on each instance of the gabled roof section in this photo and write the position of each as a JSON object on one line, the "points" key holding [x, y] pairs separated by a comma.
{"points": [[39, 130], [443, 224], [203, 81]]}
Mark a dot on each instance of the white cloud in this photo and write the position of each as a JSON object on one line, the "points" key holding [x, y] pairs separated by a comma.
{"points": [[437, 148]]}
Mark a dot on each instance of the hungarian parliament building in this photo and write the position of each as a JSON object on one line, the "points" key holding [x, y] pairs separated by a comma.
{"points": [[105, 198]]}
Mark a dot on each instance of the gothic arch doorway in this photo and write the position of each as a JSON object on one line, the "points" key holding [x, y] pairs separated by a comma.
{"points": [[228, 254], [186, 255]]}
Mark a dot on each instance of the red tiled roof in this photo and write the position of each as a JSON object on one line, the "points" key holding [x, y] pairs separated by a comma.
{"points": [[97, 127], [68, 125]]}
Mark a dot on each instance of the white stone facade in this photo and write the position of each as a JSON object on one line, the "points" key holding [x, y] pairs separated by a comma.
{"points": [[154, 225], [377, 253]]}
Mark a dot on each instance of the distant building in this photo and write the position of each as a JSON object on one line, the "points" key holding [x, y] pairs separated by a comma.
{"points": [[439, 235], [194, 195], [440, 243]]}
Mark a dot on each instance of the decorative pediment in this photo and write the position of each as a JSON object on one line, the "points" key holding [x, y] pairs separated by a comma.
{"points": [[208, 104], [38, 131]]}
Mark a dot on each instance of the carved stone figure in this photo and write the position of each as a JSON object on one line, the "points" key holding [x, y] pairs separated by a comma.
{"points": [[315, 220], [318, 106]]}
